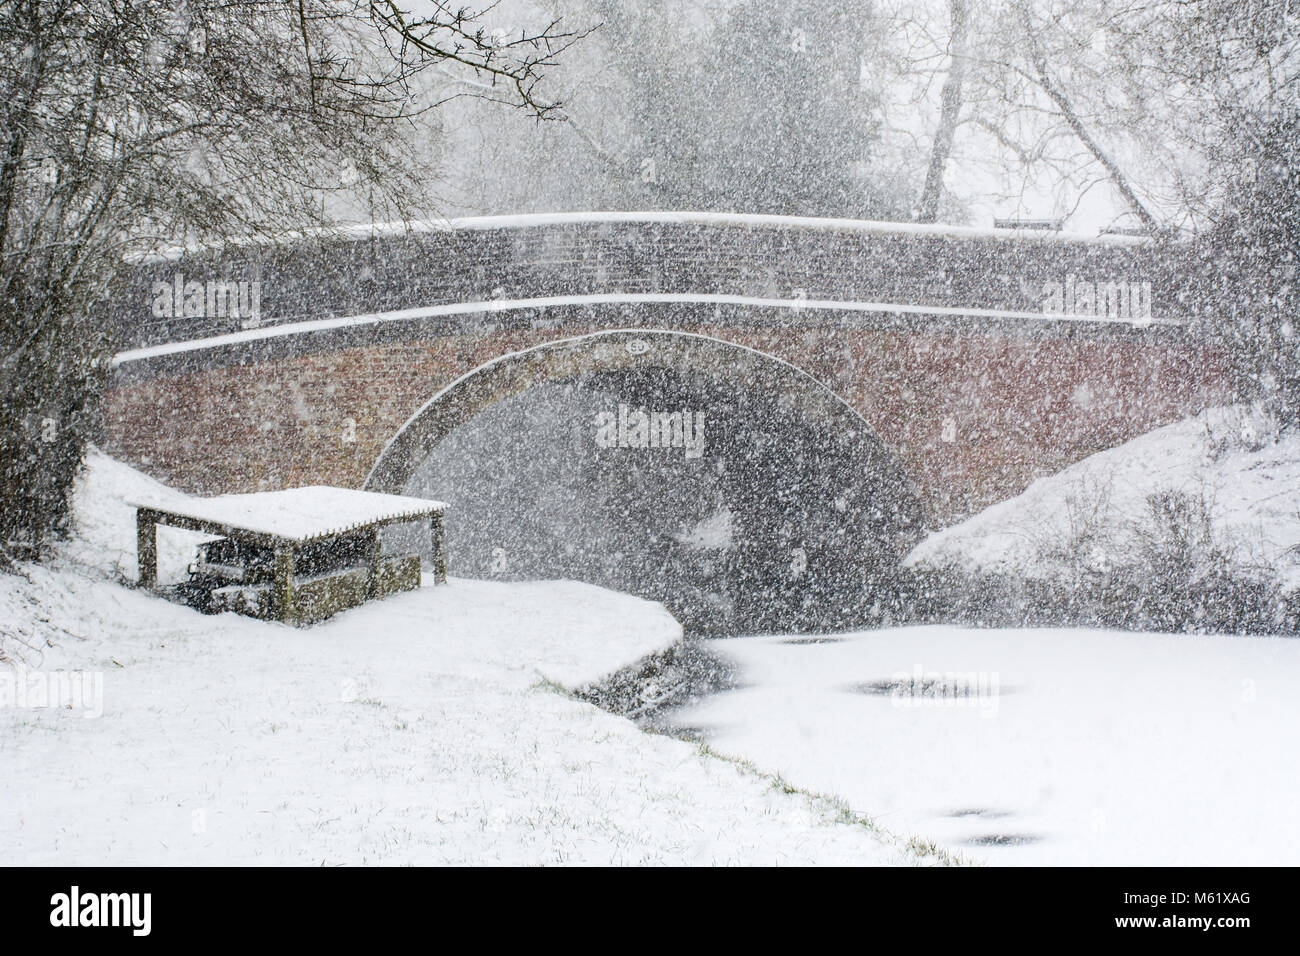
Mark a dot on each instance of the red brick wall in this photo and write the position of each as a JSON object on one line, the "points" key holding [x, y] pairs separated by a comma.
{"points": [[1020, 408]]}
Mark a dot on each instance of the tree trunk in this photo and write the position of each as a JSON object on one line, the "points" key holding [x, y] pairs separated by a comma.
{"points": [[949, 111]]}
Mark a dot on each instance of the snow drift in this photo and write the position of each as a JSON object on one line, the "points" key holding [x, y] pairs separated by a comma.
{"points": [[1232, 464]]}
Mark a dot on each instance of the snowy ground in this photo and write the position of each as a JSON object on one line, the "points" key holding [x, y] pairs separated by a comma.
{"points": [[1076, 747], [1228, 458], [433, 727], [427, 728]]}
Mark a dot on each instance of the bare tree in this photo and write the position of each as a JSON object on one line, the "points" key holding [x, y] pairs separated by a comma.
{"points": [[1239, 65], [1041, 73], [129, 123]]}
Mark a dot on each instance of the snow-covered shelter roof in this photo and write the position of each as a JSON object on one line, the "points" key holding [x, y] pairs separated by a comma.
{"points": [[293, 514]]}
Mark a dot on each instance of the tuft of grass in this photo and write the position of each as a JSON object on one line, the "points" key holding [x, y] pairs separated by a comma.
{"points": [[548, 686]]}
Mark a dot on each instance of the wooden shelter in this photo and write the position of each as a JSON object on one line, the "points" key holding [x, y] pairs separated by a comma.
{"points": [[297, 555]]}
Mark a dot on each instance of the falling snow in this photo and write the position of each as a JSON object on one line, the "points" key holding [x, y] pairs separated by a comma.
{"points": [[857, 432]]}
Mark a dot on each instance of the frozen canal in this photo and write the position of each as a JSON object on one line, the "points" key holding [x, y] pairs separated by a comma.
{"points": [[1033, 746]]}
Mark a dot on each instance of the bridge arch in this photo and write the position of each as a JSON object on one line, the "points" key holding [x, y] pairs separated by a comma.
{"points": [[786, 512]]}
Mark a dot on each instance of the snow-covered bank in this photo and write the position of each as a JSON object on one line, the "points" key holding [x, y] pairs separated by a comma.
{"points": [[426, 728], [1247, 477], [1072, 747]]}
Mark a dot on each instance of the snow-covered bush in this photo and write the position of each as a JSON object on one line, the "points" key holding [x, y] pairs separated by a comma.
{"points": [[1124, 599]]}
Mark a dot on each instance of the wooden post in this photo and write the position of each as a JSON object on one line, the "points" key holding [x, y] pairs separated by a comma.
{"points": [[283, 605], [438, 558], [375, 559], [146, 547]]}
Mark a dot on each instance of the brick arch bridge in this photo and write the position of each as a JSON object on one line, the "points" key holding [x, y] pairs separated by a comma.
{"points": [[623, 350], [982, 359]]}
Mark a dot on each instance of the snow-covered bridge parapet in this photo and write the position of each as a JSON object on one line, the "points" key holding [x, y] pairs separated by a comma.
{"points": [[862, 269], [982, 358]]}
